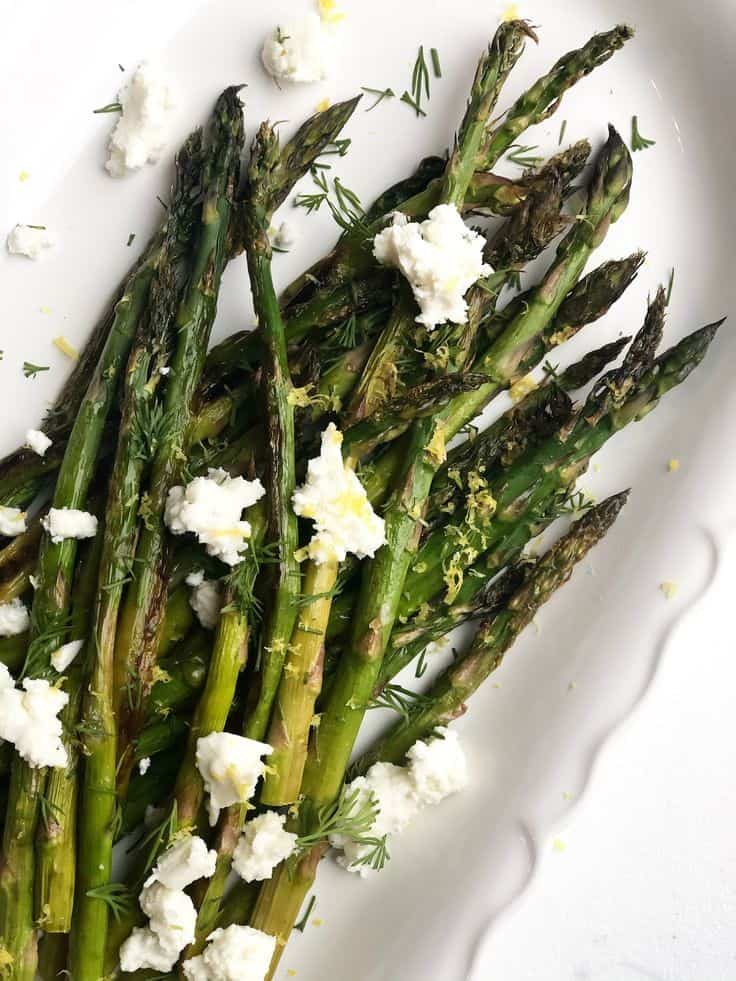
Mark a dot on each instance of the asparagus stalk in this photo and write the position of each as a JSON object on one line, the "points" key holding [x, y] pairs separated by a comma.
{"points": [[493, 68], [56, 843], [447, 696], [140, 430], [540, 101], [137, 642]]}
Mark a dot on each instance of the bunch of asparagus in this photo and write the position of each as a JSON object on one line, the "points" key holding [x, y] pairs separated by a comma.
{"points": [[148, 407]]}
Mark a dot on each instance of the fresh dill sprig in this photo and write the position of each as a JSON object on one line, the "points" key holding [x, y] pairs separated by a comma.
{"points": [[380, 95], [352, 816], [346, 208], [110, 107], [339, 147], [151, 426], [403, 701], [131, 239], [563, 127], [436, 66], [639, 142], [158, 839], [241, 583], [45, 641], [307, 913], [31, 370], [523, 156], [419, 84], [116, 896], [413, 103]]}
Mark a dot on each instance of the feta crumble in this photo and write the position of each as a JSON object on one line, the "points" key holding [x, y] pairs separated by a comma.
{"points": [[63, 657], [171, 916], [187, 860], [205, 599], [334, 498], [237, 953], [12, 521], [38, 441], [28, 719], [262, 846], [14, 618], [29, 240], [144, 765], [61, 523], [230, 767], [441, 258], [438, 767], [211, 507], [435, 769], [301, 51], [141, 132], [144, 951]]}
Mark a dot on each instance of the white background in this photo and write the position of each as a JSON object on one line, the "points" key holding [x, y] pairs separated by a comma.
{"points": [[637, 879]]}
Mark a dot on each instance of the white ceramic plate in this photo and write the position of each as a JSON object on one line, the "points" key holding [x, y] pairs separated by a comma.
{"points": [[451, 874]]}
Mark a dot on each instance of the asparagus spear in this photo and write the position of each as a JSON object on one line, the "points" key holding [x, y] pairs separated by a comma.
{"points": [[136, 646], [18, 560], [540, 101], [141, 427], [492, 71], [56, 840], [445, 700]]}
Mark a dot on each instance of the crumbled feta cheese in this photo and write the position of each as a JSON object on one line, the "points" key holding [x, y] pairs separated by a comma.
{"points": [[299, 52], [144, 951], [171, 915], [237, 953], [393, 792], [61, 659], [336, 501], [38, 441], [438, 767], [61, 523], [441, 257], [28, 719], [435, 769], [263, 844], [6, 678], [14, 618], [206, 600], [210, 507], [12, 521], [283, 237], [187, 860], [29, 240], [141, 132], [164, 371], [195, 578], [144, 765], [230, 767]]}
